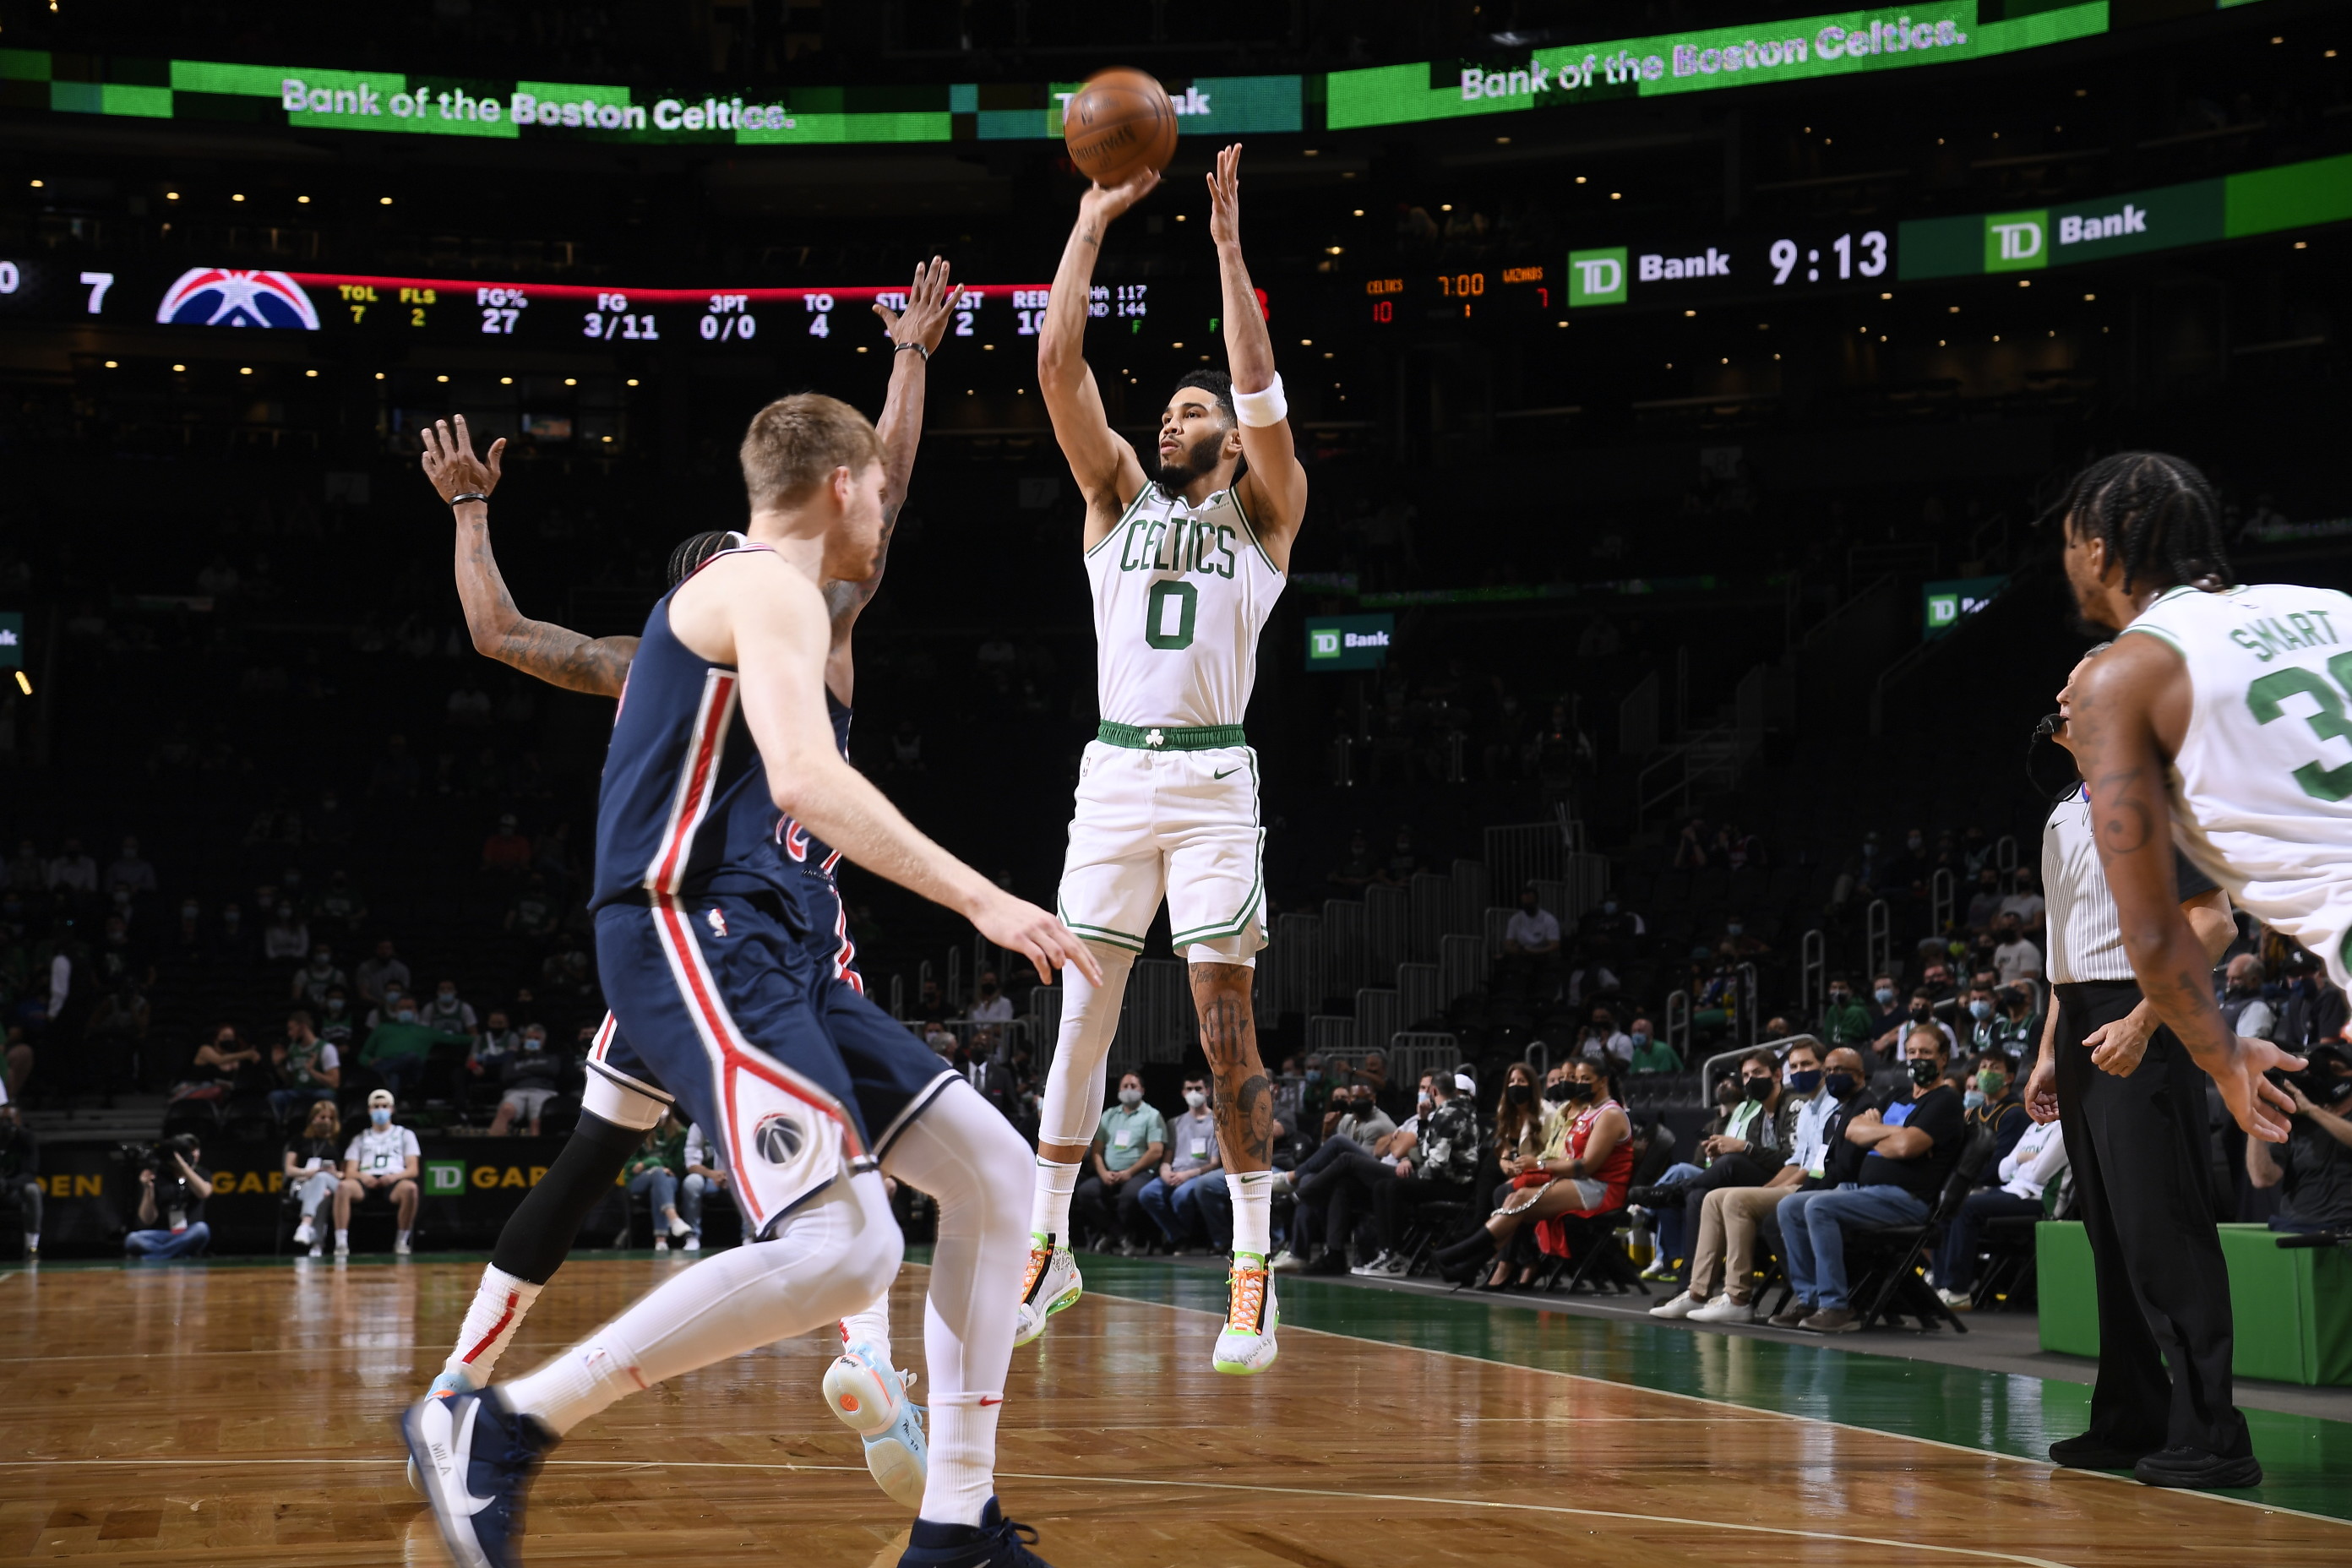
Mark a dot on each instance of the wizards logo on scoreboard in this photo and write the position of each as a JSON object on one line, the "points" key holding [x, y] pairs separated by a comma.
{"points": [[223, 297]]}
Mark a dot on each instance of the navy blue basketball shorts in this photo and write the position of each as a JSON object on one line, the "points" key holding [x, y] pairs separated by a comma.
{"points": [[719, 1001]]}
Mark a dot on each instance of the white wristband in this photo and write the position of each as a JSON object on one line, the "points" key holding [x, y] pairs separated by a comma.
{"points": [[1259, 409]]}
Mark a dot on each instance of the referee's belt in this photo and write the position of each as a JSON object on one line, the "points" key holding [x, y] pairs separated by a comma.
{"points": [[1170, 736]]}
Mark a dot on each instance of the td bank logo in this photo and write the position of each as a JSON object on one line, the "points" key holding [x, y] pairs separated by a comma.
{"points": [[1943, 610], [1322, 643], [445, 1178], [1596, 276], [2016, 242]]}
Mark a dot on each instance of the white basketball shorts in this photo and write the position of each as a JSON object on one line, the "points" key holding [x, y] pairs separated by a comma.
{"points": [[1178, 824]]}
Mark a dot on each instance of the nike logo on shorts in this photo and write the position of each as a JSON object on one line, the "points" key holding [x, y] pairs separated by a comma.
{"points": [[1223, 775], [998, 1400]]}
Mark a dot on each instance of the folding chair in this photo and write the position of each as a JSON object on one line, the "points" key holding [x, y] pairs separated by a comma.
{"points": [[1882, 1261]]}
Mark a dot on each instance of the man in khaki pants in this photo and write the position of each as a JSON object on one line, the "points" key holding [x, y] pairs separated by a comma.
{"points": [[1729, 1217]]}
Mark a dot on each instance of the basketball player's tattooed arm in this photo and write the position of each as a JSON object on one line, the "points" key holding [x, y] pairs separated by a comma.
{"points": [[1103, 462], [929, 302], [2113, 728], [559, 656], [768, 619], [1274, 489], [1241, 1093]]}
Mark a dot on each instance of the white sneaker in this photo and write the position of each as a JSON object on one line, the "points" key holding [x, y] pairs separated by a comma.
{"points": [[1052, 1284], [693, 1243], [661, 1244], [1286, 1262], [1246, 1344], [400, 1247], [1377, 1266], [869, 1396], [1723, 1310], [343, 1247], [316, 1250], [1657, 1267], [1957, 1301], [679, 1230], [304, 1234], [1681, 1306]]}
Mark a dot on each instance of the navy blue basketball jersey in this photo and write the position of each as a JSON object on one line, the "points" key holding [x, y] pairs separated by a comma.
{"points": [[813, 863], [684, 808]]}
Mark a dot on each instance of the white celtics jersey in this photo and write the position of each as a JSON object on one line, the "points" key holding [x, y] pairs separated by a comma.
{"points": [[2262, 787], [1180, 593]]}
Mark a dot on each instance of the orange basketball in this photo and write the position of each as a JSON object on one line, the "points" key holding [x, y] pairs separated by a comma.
{"points": [[1119, 124]]}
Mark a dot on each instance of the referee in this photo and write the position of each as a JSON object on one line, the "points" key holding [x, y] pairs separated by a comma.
{"points": [[2131, 1103]]}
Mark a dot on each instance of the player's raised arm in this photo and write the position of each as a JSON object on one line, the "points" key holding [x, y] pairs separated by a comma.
{"points": [[778, 624], [2114, 736], [554, 654], [1104, 463], [1274, 488]]}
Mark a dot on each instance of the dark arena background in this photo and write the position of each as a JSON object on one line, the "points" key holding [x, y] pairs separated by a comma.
{"points": [[1684, 389]]}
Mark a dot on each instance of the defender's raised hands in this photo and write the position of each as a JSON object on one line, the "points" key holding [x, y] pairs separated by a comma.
{"points": [[450, 463]]}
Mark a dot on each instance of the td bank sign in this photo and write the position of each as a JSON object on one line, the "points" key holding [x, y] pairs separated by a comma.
{"points": [[2092, 231]]}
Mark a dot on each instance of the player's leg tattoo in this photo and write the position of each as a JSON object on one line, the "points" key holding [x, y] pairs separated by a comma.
{"points": [[1239, 1091]]}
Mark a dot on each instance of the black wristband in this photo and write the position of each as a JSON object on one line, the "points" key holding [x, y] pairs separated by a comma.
{"points": [[919, 348], [469, 495]]}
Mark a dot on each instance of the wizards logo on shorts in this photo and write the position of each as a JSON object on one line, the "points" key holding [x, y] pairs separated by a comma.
{"points": [[223, 297], [777, 1138]]}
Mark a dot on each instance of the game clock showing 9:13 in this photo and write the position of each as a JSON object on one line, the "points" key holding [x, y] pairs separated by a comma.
{"points": [[1839, 258]]}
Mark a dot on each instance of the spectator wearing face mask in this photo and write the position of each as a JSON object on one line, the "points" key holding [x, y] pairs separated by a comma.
{"points": [[1845, 1021], [448, 1012], [1741, 943], [989, 1004], [2015, 957], [2033, 1161], [2017, 1023], [378, 1167], [1651, 1053], [1178, 1197], [1909, 1148], [334, 1021], [308, 1070], [287, 936], [1983, 1014], [1984, 905], [1602, 1037], [529, 1077], [379, 970], [498, 1040], [314, 979], [398, 1046], [1439, 1167], [1889, 1016], [313, 1169], [1990, 1100], [2314, 1011], [1335, 1186], [2314, 1166], [1723, 1261], [1586, 1159], [1130, 1140], [2243, 1006], [1518, 1120], [1751, 1143]]}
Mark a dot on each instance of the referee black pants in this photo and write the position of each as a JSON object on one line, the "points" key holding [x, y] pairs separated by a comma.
{"points": [[2137, 1146]]}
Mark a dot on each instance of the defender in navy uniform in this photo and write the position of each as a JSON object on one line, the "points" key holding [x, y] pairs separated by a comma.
{"points": [[864, 1389], [716, 998]]}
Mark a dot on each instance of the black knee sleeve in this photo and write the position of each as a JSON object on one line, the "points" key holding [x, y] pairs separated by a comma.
{"points": [[537, 1235]]}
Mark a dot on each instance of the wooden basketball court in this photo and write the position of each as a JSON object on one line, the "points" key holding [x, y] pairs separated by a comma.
{"points": [[241, 1414]]}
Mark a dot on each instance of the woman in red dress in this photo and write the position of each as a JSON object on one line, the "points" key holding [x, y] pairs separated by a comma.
{"points": [[1588, 1159]]}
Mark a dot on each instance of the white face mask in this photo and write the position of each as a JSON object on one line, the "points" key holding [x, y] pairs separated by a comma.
{"points": [[1130, 1097], [1196, 1098]]}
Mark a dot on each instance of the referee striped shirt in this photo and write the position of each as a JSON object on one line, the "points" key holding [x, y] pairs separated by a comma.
{"points": [[2086, 937]]}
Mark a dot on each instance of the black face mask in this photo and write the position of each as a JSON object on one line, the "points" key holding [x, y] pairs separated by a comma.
{"points": [[1519, 1093], [1925, 1072], [1557, 1093], [1757, 1088], [1920, 1010], [1839, 1084]]}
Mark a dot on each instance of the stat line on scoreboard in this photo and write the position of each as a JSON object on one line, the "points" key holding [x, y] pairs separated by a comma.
{"points": [[459, 288]]}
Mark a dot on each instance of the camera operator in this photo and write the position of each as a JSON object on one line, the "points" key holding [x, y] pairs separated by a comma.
{"points": [[382, 1162], [177, 1197], [2315, 1165], [20, 1176], [314, 1169]]}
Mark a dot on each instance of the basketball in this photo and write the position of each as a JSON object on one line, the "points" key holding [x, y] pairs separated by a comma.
{"points": [[1119, 124]]}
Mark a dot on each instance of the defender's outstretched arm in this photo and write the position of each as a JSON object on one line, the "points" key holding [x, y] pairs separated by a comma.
{"points": [[1104, 463], [561, 656], [1274, 489]]}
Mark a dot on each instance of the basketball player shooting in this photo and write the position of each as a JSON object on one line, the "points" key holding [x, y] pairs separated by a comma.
{"points": [[2216, 722], [1186, 558]]}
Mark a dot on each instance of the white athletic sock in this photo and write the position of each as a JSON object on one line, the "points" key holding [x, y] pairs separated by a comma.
{"points": [[403, 1237], [33, 1240], [1049, 1201], [501, 1301], [830, 1257], [1253, 1195], [969, 1158], [961, 1476], [871, 1325], [342, 1240]]}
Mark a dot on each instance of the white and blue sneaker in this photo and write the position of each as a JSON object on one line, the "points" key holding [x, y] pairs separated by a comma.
{"points": [[444, 1386], [1051, 1285], [869, 1396], [995, 1542], [476, 1458]]}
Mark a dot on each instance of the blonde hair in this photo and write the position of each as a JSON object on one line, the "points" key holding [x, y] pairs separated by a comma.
{"points": [[795, 442]]}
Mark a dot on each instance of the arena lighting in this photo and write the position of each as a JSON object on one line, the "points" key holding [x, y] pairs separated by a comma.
{"points": [[1886, 296], [1358, 212], [1616, 195], [110, 365], [1690, 312], [384, 201], [2025, 282], [179, 369], [238, 197], [1580, 179], [505, 381], [1502, 140], [37, 184], [633, 381], [171, 196], [2088, 297], [861, 348], [379, 376], [24, 683], [302, 201], [1446, 207], [440, 378], [1306, 342], [310, 375], [568, 380], [1179, 217]]}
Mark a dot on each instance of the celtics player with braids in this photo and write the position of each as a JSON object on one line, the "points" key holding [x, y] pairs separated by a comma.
{"points": [[1186, 557], [2220, 721]]}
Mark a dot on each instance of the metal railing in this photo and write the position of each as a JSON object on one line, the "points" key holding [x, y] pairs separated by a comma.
{"points": [[1814, 969], [1472, 894], [1377, 1017], [1417, 992], [1292, 969], [1330, 1036], [1940, 898], [1411, 1055], [1430, 915], [1388, 920], [1878, 937], [1678, 1021], [1748, 1019], [1521, 853], [1461, 967], [1344, 956], [1156, 1023]]}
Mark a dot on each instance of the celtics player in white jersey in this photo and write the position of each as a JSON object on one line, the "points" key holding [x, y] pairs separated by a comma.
{"points": [[1186, 558], [2218, 721]]}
